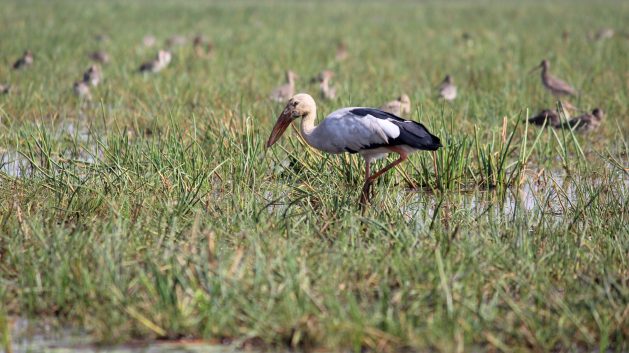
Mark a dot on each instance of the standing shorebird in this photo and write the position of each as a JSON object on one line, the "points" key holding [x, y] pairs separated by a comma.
{"points": [[370, 132], [447, 89], [203, 48], [175, 41], [341, 51], [162, 60], [5, 88], [99, 56], [82, 90], [284, 92], [545, 117], [322, 76], [102, 37], [149, 41], [93, 75], [328, 91], [604, 33], [586, 122], [25, 60], [401, 106], [554, 85]]}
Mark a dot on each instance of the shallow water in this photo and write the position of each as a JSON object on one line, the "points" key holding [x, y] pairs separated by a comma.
{"points": [[14, 164], [551, 195], [40, 337]]}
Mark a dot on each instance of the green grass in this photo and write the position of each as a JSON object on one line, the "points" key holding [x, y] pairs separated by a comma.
{"points": [[169, 219]]}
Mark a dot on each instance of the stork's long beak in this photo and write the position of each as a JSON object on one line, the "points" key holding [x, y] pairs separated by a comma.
{"points": [[280, 126]]}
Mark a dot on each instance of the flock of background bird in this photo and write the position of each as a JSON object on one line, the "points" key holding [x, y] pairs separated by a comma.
{"points": [[92, 77], [549, 117], [400, 106], [448, 91]]}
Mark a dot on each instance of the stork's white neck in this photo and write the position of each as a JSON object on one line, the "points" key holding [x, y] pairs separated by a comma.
{"points": [[308, 126]]}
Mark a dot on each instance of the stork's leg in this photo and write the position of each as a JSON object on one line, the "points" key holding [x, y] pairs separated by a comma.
{"points": [[386, 169], [364, 197], [369, 179]]}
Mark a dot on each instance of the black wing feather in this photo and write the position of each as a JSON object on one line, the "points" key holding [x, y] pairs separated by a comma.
{"points": [[412, 133]]}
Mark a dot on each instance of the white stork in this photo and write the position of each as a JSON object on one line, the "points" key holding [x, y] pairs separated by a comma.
{"points": [[370, 132]]}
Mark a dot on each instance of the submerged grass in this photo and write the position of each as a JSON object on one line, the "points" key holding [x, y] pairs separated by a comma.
{"points": [[157, 212]]}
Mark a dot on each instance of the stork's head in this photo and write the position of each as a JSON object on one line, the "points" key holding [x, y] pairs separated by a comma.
{"points": [[300, 105]]}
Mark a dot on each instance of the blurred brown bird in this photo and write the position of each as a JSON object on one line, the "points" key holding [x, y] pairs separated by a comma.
{"points": [[24, 61], [447, 89], [82, 90], [284, 92], [325, 74], [586, 122], [93, 75], [547, 117], [99, 56], [341, 51], [149, 41], [162, 60], [400, 107], [5, 88], [203, 48], [328, 91], [553, 84], [604, 33], [176, 40], [101, 37]]}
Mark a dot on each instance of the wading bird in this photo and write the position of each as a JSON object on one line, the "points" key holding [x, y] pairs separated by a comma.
{"points": [[586, 122], [149, 41], [341, 51], [447, 89], [328, 91], [284, 92], [101, 37], [5, 88], [82, 90], [93, 75], [175, 41], [400, 106], [24, 61], [546, 116], [370, 132], [556, 86], [203, 48], [99, 56], [158, 64], [604, 33]]}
